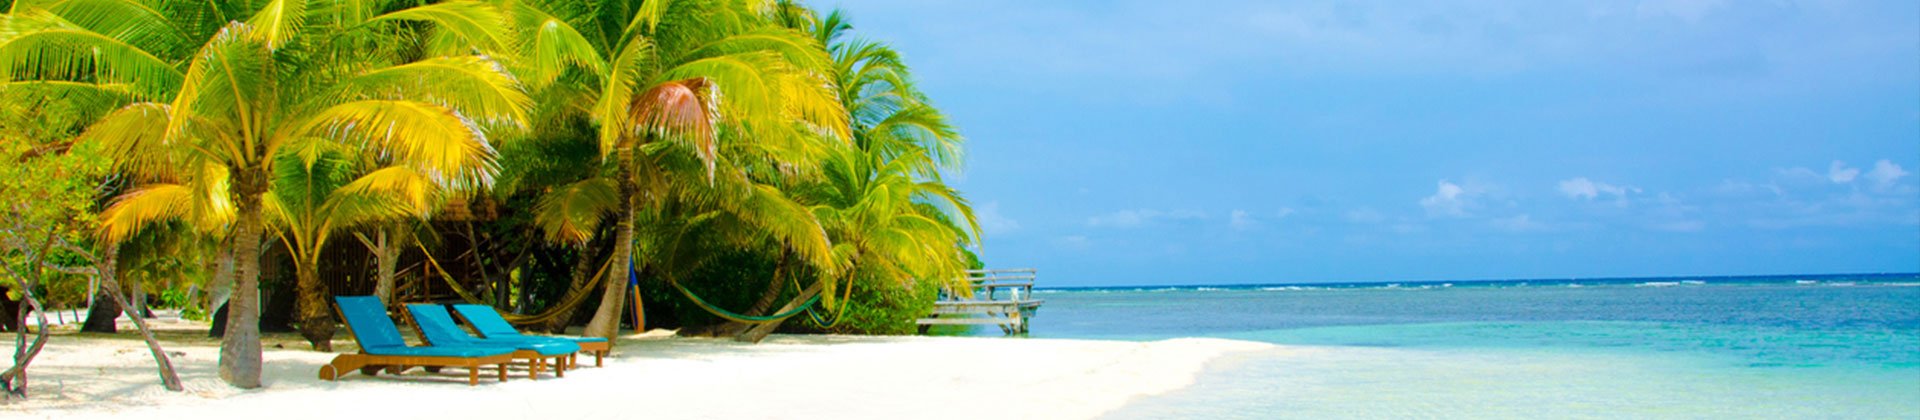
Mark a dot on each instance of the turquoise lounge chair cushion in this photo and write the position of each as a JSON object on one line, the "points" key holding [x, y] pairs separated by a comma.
{"points": [[438, 326], [437, 351], [367, 319], [491, 325]]}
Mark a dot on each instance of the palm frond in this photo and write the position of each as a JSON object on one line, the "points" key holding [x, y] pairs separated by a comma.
{"points": [[229, 80], [571, 213], [278, 22], [133, 22], [52, 49], [481, 24], [136, 210], [680, 109], [432, 138], [134, 138], [616, 90], [551, 45], [415, 193], [474, 86]]}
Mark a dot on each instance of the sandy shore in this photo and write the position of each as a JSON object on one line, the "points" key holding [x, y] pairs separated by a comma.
{"points": [[652, 375]]}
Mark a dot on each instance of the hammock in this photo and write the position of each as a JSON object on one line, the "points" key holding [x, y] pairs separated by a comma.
{"points": [[743, 318], [568, 302]]}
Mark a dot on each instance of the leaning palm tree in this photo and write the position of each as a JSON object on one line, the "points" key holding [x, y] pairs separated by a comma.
{"points": [[672, 81], [221, 103]]}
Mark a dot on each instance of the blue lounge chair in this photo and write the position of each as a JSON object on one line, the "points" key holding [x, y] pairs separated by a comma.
{"points": [[381, 346], [437, 326], [492, 326]]}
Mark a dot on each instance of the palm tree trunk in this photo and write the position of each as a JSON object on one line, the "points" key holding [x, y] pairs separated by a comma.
{"points": [[606, 319], [222, 286], [760, 331], [139, 300], [772, 292], [316, 324], [240, 359], [387, 250], [101, 314]]}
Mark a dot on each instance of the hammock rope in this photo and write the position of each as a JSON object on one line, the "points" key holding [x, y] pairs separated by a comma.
{"points": [[738, 317], [574, 297], [837, 315]]}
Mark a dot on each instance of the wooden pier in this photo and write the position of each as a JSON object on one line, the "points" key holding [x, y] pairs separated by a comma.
{"points": [[1000, 297]]}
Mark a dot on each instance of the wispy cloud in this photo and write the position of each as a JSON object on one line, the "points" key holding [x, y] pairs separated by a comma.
{"points": [[1072, 242], [1520, 223], [1582, 188], [1240, 220], [992, 221], [1885, 174], [1839, 173], [1448, 200]]}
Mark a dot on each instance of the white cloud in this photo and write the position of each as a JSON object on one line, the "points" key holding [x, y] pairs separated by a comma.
{"points": [[1072, 242], [1885, 173], [1448, 200], [1283, 213], [1839, 173], [1136, 218], [1801, 176], [1240, 220], [993, 222], [1582, 188]]}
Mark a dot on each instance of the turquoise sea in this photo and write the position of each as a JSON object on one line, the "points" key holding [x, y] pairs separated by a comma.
{"points": [[1835, 346]]}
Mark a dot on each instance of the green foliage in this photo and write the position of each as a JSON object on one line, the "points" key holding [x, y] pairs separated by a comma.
{"points": [[880, 308], [749, 142], [48, 186], [732, 280]]}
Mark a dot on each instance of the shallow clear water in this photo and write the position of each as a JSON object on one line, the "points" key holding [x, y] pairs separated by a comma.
{"points": [[1822, 347]]}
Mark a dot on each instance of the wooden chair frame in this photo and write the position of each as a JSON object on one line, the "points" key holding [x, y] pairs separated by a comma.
{"points": [[372, 364]]}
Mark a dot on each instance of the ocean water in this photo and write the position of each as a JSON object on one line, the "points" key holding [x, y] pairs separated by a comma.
{"points": [[1731, 347]]}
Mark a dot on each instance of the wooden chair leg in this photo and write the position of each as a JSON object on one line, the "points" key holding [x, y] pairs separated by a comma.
{"points": [[560, 367], [473, 375], [503, 371]]}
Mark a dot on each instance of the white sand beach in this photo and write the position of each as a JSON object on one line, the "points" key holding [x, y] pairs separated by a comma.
{"points": [[651, 375]]}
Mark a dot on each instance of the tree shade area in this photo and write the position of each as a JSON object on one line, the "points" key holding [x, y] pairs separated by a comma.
{"points": [[725, 167]]}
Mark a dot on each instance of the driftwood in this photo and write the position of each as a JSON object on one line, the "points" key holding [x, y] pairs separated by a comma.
{"points": [[109, 283]]}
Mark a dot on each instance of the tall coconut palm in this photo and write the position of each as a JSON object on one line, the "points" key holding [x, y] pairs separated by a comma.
{"points": [[673, 82], [226, 89]]}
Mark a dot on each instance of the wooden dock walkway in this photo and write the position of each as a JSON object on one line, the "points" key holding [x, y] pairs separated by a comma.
{"points": [[1000, 297]]}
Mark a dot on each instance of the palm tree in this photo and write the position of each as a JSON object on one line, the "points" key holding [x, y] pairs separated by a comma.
{"points": [[328, 188], [676, 84], [891, 218], [221, 104]]}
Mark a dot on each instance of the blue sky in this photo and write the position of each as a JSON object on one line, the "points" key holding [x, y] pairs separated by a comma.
{"points": [[1136, 142]]}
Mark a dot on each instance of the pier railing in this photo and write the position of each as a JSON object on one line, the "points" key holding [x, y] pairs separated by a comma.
{"points": [[1002, 297]]}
